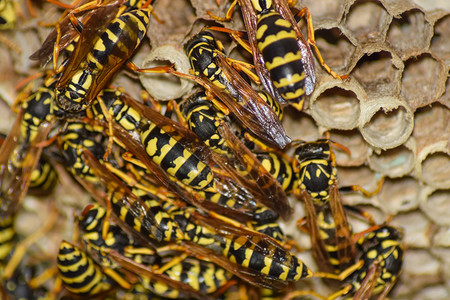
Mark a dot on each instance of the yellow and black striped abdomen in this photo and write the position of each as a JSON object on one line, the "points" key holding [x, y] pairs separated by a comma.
{"points": [[175, 159], [204, 120], [335, 246], [7, 236], [124, 115], [202, 276], [259, 255], [44, 177], [79, 273], [277, 42]]}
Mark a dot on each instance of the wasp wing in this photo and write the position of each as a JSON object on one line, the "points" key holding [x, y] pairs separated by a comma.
{"points": [[93, 28], [307, 56], [276, 198]]}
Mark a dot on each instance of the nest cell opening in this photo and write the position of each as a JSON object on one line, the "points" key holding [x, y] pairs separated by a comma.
{"points": [[335, 47], [437, 207], [353, 140], [377, 73], [410, 34], [435, 170], [421, 81], [395, 162], [165, 86], [325, 11], [440, 42], [399, 195], [336, 108], [367, 21], [388, 129]]}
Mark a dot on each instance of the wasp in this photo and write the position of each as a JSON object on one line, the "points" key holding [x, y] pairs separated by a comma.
{"points": [[377, 269], [89, 69], [380, 263], [281, 55], [330, 232], [20, 155], [79, 273], [213, 71], [88, 15], [199, 275]]}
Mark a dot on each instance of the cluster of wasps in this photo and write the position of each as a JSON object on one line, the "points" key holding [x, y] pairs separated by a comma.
{"points": [[185, 202]]}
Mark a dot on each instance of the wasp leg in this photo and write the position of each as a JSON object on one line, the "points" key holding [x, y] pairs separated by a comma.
{"points": [[10, 44], [236, 35], [360, 213], [356, 188], [312, 41], [246, 68], [228, 15], [117, 278], [43, 277], [23, 246], [162, 69], [171, 263]]}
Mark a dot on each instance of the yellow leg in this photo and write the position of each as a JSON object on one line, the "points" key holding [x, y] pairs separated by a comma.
{"points": [[105, 226], [163, 69], [357, 188], [228, 15], [170, 264], [312, 41], [23, 246], [43, 277], [10, 44], [236, 35], [117, 278], [246, 68]]}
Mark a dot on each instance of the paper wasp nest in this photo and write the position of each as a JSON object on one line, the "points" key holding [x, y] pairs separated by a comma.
{"points": [[393, 113]]}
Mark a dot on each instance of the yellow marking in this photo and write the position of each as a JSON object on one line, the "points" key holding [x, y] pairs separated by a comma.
{"points": [[273, 38], [279, 61], [288, 81], [373, 254]]}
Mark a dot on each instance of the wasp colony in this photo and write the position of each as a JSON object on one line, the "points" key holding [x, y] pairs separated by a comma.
{"points": [[245, 149]]}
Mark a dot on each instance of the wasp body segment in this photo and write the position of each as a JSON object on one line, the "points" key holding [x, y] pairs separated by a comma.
{"points": [[277, 42], [74, 140], [7, 238], [202, 276], [382, 257], [79, 273], [280, 168], [8, 16], [80, 83], [204, 119], [209, 63], [331, 234], [124, 115], [175, 159]]}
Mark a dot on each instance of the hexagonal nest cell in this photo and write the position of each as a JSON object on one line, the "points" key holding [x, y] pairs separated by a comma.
{"points": [[392, 113]]}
